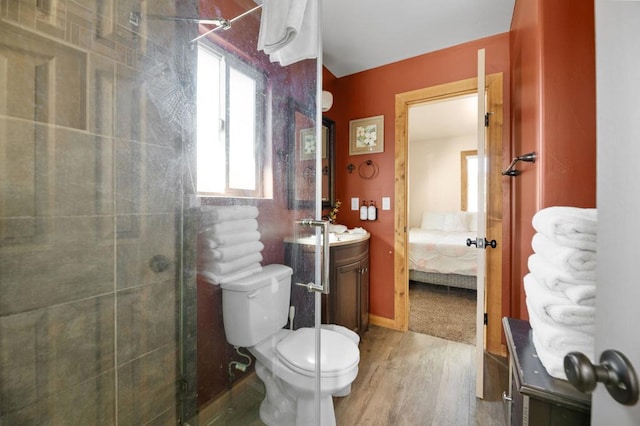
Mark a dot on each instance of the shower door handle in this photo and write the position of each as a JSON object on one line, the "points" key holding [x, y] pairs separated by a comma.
{"points": [[323, 225]]}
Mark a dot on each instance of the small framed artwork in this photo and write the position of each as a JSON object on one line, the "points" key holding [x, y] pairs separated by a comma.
{"points": [[308, 144], [366, 135]]}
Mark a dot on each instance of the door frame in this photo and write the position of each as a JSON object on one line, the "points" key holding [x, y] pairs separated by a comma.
{"points": [[493, 288]]}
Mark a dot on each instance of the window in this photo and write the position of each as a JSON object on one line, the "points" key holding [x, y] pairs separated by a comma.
{"points": [[469, 180], [230, 126]]}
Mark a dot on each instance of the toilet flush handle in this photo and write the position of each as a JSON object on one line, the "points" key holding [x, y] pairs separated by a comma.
{"points": [[252, 294]]}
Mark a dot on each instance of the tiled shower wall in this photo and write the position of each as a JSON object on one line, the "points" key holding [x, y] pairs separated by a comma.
{"points": [[90, 202]]}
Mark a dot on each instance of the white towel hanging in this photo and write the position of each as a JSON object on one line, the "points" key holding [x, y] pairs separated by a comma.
{"points": [[289, 30]]}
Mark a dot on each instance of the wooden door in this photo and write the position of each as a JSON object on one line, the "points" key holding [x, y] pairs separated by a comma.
{"points": [[493, 298]]}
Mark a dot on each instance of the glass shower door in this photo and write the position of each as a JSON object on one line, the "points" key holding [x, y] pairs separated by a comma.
{"points": [[254, 145], [94, 116]]}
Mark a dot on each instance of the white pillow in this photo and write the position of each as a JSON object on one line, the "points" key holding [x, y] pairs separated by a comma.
{"points": [[432, 220], [455, 222]]}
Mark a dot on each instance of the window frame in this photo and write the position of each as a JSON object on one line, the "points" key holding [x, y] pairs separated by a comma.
{"points": [[464, 178], [228, 62]]}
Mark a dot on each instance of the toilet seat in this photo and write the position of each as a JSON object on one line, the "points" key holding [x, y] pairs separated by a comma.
{"points": [[338, 353]]}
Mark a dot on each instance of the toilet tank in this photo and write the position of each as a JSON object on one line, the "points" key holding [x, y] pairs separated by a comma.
{"points": [[255, 307]]}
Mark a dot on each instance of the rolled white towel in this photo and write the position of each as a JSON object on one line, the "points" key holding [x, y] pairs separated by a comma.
{"points": [[581, 294], [226, 268], [229, 253], [214, 278], [553, 360], [555, 277], [230, 226], [577, 291], [557, 306], [577, 259], [557, 336], [212, 240], [217, 214], [569, 226]]}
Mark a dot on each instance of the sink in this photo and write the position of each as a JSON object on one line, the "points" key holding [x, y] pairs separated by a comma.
{"points": [[336, 238]]}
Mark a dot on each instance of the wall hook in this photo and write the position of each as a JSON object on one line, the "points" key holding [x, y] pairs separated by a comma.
{"points": [[527, 158], [351, 168]]}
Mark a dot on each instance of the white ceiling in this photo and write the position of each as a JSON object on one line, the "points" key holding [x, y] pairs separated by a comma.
{"points": [[362, 34]]}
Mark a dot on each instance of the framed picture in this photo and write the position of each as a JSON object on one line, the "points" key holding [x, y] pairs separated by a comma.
{"points": [[308, 144], [366, 135]]}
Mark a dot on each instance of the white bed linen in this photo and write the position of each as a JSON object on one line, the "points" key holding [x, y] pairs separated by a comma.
{"points": [[442, 252]]}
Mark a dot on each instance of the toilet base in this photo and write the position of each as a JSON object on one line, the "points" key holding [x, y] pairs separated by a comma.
{"points": [[285, 406]]}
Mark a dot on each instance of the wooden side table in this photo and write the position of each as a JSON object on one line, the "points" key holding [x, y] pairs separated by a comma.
{"points": [[534, 397]]}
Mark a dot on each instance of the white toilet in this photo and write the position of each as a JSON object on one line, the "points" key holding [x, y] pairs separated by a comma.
{"points": [[255, 309]]}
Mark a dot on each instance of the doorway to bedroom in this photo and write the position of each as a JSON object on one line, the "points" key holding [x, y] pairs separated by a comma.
{"points": [[495, 200], [442, 215]]}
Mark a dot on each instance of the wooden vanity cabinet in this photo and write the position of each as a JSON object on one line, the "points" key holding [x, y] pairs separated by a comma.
{"points": [[347, 303]]}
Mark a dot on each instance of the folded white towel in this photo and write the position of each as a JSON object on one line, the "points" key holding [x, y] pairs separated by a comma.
{"points": [[214, 278], [217, 214], [557, 306], [568, 226], [225, 268], [581, 294], [243, 225], [289, 30], [552, 361], [580, 260], [557, 336], [229, 253], [210, 239], [555, 276]]}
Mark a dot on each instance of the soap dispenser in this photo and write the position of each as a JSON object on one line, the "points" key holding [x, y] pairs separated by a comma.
{"points": [[372, 211], [364, 212]]}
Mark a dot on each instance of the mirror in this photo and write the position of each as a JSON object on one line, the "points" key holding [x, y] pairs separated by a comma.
{"points": [[302, 157]]}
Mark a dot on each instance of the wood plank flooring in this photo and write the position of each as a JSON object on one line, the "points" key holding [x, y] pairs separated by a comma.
{"points": [[416, 379], [404, 379]]}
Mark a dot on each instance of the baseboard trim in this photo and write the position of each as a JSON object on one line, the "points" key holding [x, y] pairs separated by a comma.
{"points": [[382, 322]]}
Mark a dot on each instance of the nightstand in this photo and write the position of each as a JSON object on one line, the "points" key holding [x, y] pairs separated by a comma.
{"points": [[534, 397]]}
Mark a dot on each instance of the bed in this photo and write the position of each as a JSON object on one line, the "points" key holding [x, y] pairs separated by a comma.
{"points": [[438, 253]]}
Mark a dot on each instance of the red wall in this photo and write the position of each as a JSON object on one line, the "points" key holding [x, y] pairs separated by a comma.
{"points": [[372, 93], [553, 113]]}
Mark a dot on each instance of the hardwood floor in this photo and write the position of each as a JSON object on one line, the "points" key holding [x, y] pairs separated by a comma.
{"points": [[404, 379], [416, 379]]}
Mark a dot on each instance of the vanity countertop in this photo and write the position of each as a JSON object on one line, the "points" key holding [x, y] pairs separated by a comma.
{"points": [[335, 239]]}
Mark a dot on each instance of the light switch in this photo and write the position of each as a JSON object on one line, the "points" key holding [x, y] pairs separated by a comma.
{"points": [[386, 203], [355, 203]]}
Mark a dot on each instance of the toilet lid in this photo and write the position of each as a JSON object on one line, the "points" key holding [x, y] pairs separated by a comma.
{"points": [[337, 352]]}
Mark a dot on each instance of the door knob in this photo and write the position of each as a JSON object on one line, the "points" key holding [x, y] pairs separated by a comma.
{"points": [[482, 244], [615, 372], [492, 243]]}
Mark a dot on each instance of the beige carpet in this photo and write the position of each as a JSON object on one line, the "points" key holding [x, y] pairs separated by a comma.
{"points": [[448, 313]]}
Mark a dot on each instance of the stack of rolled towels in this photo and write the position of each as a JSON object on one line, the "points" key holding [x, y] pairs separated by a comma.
{"points": [[229, 243], [560, 287]]}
